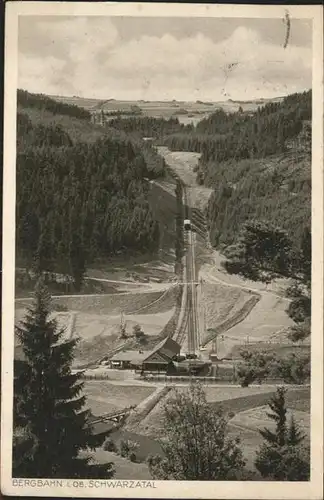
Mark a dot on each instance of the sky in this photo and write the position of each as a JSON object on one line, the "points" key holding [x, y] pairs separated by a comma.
{"points": [[133, 58]]}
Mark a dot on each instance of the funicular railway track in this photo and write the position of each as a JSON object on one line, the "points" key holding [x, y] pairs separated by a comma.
{"points": [[190, 278]]}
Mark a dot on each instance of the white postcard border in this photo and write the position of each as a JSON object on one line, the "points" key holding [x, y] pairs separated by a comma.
{"points": [[162, 489]]}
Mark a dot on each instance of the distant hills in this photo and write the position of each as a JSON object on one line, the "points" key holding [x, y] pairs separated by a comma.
{"points": [[164, 108]]}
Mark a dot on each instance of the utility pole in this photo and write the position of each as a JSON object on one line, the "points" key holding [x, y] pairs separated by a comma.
{"points": [[122, 324], [214, 346], [203, 307]]}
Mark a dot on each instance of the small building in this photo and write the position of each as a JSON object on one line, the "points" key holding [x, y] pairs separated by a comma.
{"points": [[162, 356], [127, 359], [158, 359]]}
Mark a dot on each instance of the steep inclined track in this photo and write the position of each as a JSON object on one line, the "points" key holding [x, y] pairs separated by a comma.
{"points": [[257, 317], [192, 298], [187, 333]]}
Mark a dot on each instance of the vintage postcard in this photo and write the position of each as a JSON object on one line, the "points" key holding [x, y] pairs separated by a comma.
{"points": [[162, 310]]}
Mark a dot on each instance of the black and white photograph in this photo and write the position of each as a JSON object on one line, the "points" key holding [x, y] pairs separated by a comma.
{"points": [[162, 206]]}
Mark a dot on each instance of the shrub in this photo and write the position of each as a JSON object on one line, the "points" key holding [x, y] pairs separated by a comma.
{"points": [[127, 447], [293, 369], [110, 445], [298, 333], [60, 307], [132, 457], [255, 366]]}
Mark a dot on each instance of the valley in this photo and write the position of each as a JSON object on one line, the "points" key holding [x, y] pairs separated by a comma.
{"points": [[172, 287]]}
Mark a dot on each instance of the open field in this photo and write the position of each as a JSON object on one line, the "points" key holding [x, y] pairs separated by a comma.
{"points": [[96, 319], [103, 397], [165, 108], [100, 334], [88, 326], [219, 303], [267, 320], [248, 405], [238, 404], [163, 303], [230, 398], [104, 304], [256, 418], [217, 394]]}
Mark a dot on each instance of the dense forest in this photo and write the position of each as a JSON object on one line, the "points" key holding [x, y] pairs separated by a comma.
{"points": [[84, 195], [77, 201], [147, 126], [276, 189], [223, 136], [269, 180]]}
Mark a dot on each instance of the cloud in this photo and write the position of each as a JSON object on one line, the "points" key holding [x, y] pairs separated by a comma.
{"points": [[86, 56]]}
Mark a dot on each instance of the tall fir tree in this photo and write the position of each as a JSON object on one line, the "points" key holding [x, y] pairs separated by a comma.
{"points": [[52, 437], [280, 457]]}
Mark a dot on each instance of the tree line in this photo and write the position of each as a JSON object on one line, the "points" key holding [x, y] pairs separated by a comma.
{"points": [[146, 126], [26, 99], [78, 201]]}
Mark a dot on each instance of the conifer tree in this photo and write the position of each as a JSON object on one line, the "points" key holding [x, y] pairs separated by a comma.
{"points": [[50, 419], [280, 456]]}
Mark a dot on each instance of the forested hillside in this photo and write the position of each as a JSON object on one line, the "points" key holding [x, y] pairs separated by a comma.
{"points": [[239, 135], [45, 103], [259, 165], [81, 191], [276, 189], [264, 173], [78, 200]]}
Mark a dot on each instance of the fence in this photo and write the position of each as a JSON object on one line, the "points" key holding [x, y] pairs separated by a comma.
{"points": [[228, 378]]}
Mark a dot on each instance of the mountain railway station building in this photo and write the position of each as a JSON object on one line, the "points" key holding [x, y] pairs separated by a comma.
{"points": [[159, 359]]}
